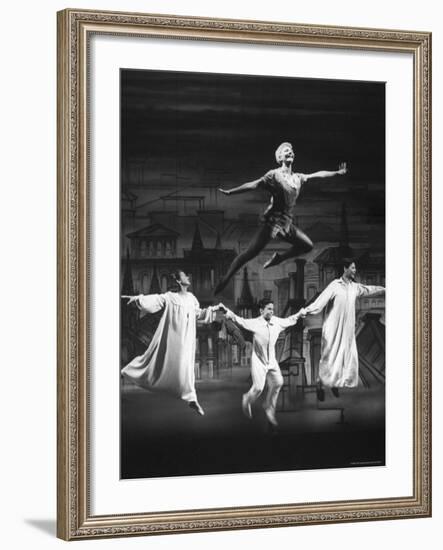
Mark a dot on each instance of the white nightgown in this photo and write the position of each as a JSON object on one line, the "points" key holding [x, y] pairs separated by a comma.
{"points": [[339, 357], [168, 363]]}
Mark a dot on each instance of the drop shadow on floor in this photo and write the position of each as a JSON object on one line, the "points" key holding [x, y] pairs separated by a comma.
{"points": [[48, 526]]}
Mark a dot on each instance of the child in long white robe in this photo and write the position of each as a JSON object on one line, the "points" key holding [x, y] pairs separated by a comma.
{"points": [[168, 363], [338, 365]]}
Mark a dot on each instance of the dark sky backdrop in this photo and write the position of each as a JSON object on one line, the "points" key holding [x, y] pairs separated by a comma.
{"points": [[193, 132]]}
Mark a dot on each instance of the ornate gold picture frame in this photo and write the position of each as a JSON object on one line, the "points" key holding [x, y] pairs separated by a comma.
{"points": [[75, 517]]}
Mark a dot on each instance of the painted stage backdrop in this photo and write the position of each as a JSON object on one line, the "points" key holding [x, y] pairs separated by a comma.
{"points": [[183, 137]]}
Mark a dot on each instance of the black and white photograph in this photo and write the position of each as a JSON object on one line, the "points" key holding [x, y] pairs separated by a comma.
{"points": [[252, 239], [220, 217]]}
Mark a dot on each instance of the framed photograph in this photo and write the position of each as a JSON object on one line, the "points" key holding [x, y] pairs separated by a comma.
{"points": [[243, 274]]}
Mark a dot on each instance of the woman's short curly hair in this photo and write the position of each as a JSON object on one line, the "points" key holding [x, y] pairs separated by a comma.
{"points": [[279, 150]]}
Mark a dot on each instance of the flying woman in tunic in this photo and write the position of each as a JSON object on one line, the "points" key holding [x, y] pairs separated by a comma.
{"points": [[168, 363], [284, 187]]}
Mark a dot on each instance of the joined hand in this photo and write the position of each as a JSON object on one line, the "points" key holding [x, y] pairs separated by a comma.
{"points": [[342, 169], [302, 313], [130, 299]]}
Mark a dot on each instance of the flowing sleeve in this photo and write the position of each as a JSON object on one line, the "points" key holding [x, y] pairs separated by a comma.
{"points": [[247, 324], [150, 303], [206, 315], [369, 290], [320, 303], [288, 321]]}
